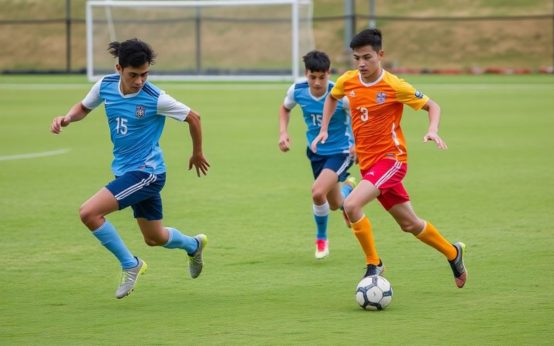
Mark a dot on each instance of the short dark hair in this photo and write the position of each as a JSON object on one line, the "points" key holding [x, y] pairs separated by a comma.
{"points": [[133, 52], [317, 61], [368, 37]]}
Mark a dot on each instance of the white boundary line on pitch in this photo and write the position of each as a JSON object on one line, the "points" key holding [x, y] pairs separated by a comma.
{"points": [[33, 155]]}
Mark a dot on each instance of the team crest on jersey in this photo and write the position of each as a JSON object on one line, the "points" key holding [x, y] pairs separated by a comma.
{"points": [[381, 97], [139, 111], [418, 94]]}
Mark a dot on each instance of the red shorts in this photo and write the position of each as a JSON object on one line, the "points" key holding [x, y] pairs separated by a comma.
{"points": [[387, 175]]}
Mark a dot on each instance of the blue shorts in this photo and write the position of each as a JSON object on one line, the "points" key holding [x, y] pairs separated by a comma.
{"points": [[141, 191], [338, 163]]}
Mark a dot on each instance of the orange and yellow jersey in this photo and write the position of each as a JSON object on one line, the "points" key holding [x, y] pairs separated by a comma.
{"points": [[376, 110]]}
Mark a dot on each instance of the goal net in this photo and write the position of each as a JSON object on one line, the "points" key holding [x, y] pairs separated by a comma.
{"points": [[205, 40]]}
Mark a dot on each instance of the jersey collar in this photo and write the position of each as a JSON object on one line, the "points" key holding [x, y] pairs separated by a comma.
{"points": [[322, 96], [128, 95], [374, 82]]}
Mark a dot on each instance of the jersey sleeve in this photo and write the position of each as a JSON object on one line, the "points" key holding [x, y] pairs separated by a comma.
{"points": [[169, 107], [408, 95], [289, 101], [346, 105], [93, 100], [346, 108], [338, 90]]}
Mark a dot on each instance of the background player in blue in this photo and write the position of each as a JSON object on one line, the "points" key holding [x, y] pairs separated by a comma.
{"points": [[330, 164], [136, 112]]}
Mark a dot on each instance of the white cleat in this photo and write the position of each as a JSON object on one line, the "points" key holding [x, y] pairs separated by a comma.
{"points": [[321, 248], [196, 262], [129, 278]]}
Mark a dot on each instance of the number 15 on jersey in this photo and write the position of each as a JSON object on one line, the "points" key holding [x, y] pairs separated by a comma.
{"points": [[121, 126]]}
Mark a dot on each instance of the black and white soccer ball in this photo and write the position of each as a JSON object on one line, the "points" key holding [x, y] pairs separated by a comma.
{"points": [[374, 293]]}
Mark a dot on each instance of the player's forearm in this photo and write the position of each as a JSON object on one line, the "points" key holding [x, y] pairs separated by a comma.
{"points": [[434, 115], [329, 108], [195, 129], [76, 113], [284, 118]]}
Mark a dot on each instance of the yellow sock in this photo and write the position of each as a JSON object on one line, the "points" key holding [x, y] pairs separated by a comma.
{"points": [[431, 236], [362, 231]]}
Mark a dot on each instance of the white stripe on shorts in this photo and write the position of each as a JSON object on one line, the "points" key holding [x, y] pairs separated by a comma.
{"points": [[134, 188], [392, 171], [344, 165]]}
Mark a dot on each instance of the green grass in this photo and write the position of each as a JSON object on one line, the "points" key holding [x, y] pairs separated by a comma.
{"points": [[492, 189]]}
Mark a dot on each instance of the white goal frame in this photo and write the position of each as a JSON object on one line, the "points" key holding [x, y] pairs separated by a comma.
{"points": [[295, 40]]}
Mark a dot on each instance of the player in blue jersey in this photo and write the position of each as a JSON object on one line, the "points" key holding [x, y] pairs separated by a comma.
{"points": [[333, 159], [136, 112]]}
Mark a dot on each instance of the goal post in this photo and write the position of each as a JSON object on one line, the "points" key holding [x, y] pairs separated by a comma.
{"points": [[205, 40]]}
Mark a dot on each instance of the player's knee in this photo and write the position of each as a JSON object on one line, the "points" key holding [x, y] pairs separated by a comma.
{"points": [[410, 226], [86, 215], [350, 207], [318, 195], [153, 241]]}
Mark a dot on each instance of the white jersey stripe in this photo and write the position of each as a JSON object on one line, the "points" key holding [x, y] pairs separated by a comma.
{"points": [[395, 140]]}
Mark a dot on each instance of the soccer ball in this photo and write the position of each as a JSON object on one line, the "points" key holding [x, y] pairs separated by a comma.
{"points": [[374, 293]]}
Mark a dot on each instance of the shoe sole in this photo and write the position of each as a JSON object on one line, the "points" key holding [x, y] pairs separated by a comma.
{"points": [[141, 271], [461, 280]]}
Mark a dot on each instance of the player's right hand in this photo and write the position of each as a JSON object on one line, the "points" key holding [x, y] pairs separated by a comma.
{"points": [[322, 137], [58, 123], [284, 142]]}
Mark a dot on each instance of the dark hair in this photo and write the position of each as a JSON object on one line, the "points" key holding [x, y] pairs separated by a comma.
{"points": [[133, 52], [316, 61], [368, 37]]}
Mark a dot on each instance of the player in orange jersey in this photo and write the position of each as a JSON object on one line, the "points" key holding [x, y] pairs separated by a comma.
{"points": [[377, 98]]}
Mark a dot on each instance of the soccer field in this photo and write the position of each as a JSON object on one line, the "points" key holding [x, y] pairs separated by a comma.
{"points": [[492, 189]]}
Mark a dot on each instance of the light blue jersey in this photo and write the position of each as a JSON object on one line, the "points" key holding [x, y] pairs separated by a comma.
{"points": [[136, 123], [340, 133]]}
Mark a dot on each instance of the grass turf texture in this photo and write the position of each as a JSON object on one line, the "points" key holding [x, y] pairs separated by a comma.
{"points": [[492, 189]]}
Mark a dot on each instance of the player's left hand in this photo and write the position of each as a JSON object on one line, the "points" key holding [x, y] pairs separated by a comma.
{"points": [[200, 163], [433, 136]]}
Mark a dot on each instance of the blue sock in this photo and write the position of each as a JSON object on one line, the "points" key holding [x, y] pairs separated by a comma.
{"points": [[321, 214], [345, 190], [110, 239], [178, 240]]}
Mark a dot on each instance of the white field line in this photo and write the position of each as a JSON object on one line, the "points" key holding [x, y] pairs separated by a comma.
{"points": [[33, 155]]}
